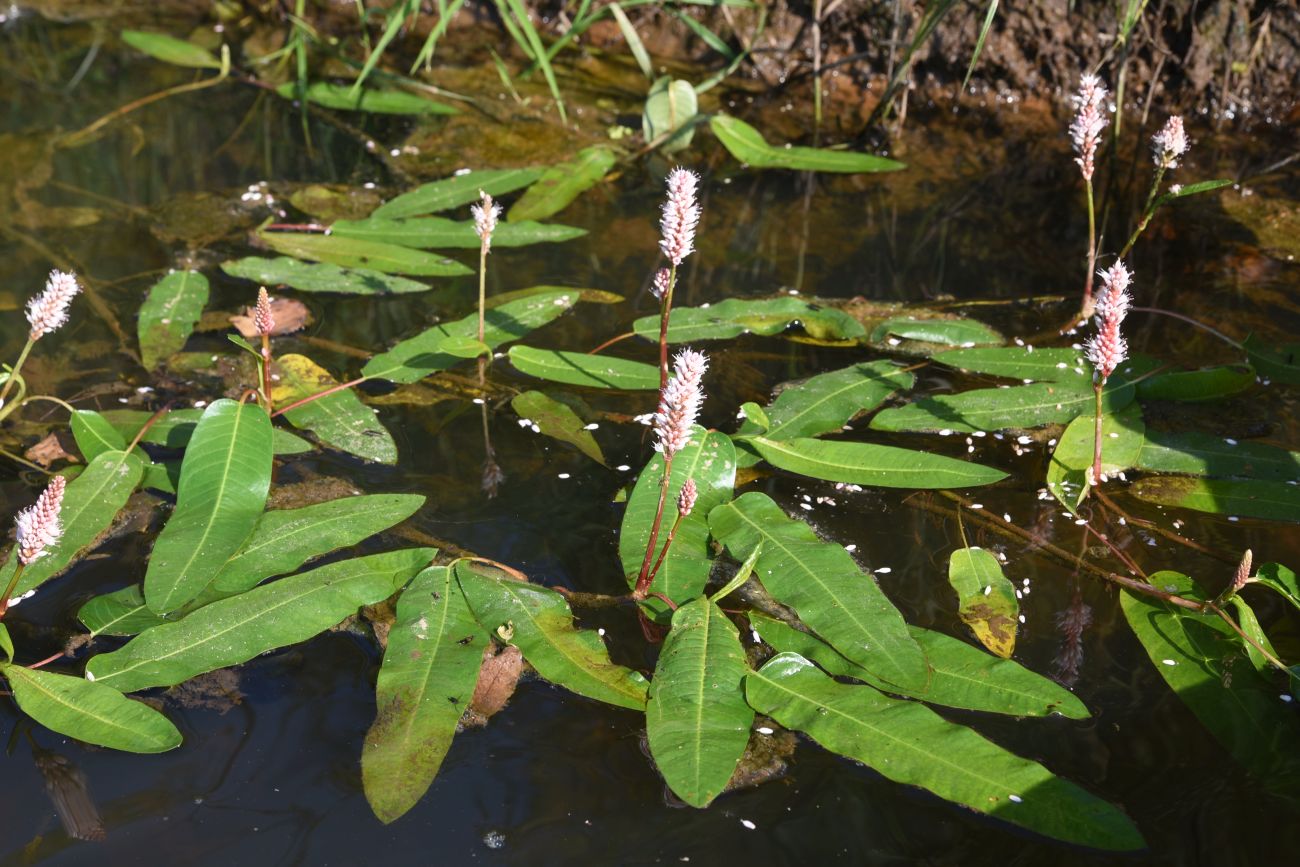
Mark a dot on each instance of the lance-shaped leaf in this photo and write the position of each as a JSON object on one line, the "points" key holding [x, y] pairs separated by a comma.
{"points": [[417, 357], [1280, 580], [961, 675], [560, 184], [434, 233], [174, 429], [426, 681], [747, 145], [580, 368], [169, 314], [340, 420], [225, 477], [1200, 454], [234, 630], [344, 97], [1020, 362], [992, 409], [821, 582], [1121, 443], [6, 643], [455, 191], [1194, 386], [539, 622], [1273, 501], [908, 743], [824, 403], [355, 253], [320, 276], [1195, 655], [709, 459], [90, 503], [949, 332], [90, 712], [764, 316], [557, 419], [121, 612], [986, 600], [94, 434], [697, 721], [872, 464], [169, 49], [285, 539]]}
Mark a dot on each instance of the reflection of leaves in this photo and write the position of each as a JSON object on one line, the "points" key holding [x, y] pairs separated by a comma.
{"points": [[1248, 498]]}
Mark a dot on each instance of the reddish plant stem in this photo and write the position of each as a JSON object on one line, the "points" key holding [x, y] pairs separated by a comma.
{"points": [[663, 552], [643, 577], [664, 312], [608, 343], [1096, 437], [47, 660], [144, 429], [326, 393], [266, 371]]}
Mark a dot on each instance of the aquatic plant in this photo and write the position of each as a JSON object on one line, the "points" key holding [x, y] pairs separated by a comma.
{"points": [[1085, 132], [1107, 349]]}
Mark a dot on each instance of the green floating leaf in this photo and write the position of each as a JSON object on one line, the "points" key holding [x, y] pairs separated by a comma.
{"points": [[709, 459], [670, 105], [1210, 383], [417, 357], [428, 233], [949, 332], [225, 477], [1258, 645], [538, 621], [356, 253], [340, 420], [1020, 362], [556, 419], [90, 503], [961, 676], [909, 743], [1121, 443], [426, 681], [747, 145], [121, 612], [560, 184], [455, 191], [871, 464], [235, 630], [345, 97], [763, 316], [319, 277], [821, 582], [90, 712], [175, 428], [94, 434], [986, 600], [1201, 454], [1273, 501], [169, 49], [168, 316], [1194, 654], [1278, 362], [994, 409], [6, 643], [1281, 580], [697, 721], [825, 403], [579, 368], [285, 539]]}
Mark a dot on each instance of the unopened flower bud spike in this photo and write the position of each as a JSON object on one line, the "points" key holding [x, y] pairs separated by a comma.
{"points": [[264, 321]]}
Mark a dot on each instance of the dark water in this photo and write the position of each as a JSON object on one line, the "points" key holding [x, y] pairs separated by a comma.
{"points": [[990, 211]]}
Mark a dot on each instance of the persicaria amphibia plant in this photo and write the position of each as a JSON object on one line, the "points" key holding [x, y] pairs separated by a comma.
{"points": [[1107, 349]]}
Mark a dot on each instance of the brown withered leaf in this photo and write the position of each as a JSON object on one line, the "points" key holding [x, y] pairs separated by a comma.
{"points": [[497, 678], [290, 315], [47, 451]]}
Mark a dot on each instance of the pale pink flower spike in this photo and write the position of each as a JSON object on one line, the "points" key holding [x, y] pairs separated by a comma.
{"points": [[38, 525], [1089, 121], [679, 404], [485, 214], [681, 215], [262, 317], [49, 310], [1169, 143], [1108, 349]]}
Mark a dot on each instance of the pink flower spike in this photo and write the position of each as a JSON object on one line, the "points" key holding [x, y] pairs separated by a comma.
{"points": [[1108, 349], [679, 404], [485, 218], [1089, 121], [660, 287], [262, 317], [49, 310], [1169, 144], [686, 499], [38, 525], [680, 216]]}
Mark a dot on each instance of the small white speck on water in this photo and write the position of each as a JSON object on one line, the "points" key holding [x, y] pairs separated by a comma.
{"points": [[758, 639], [980, 433], [884, 570], [1285, 697], [806, 506], [1113, 435], [1019, 342], [977, 505], [591, 426], [765, 730], [894, 341], [601, 631], [1015, 799], [199, 404], [1019, 595], [563, 476], [479, 401], [1230, 441], [945, 432], [1233, 518], [1006, 516], [536, 427], [525, 422], [988, 590], [748, 824], [1021, 618], [850, 548], [1169, 662], [1123, 523], [623, 468], [1024, 440]]}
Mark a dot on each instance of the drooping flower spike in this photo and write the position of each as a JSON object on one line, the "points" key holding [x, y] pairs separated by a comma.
{"points": [[49, 310], [681, 215], [1108, 349], [38, 525], [679, 403], [486, 213], [1169, 144], [1089, 121]]}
